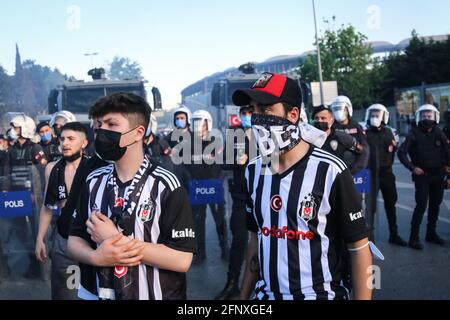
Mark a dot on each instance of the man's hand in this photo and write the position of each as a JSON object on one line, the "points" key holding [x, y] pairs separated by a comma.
{"points": [[242, 160], [100, 227], [111, 254], [41, 251], [418, 171]]}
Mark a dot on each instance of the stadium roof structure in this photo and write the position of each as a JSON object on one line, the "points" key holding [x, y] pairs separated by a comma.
{"points": [[286, 63]]}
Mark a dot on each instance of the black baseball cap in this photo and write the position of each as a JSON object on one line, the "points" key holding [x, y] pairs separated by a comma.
{"points": [[320, 109], [41, 125], [270, 88]]}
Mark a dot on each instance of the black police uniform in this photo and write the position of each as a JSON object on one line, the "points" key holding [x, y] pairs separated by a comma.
{"points": [[205, 171], [51, 150], [382, 153], [430, 152], [3, 170], [4, 269], [355, 130], [343, 146], [21, 158], [238, 221]]}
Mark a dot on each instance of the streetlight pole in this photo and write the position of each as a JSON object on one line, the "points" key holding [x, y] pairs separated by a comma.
{"points": [[319, 60], [92, 57]]}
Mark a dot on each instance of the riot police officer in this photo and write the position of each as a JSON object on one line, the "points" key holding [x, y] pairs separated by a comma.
{"points": [[382, 152], [59, 119], [342, 109], [182, 123], [204, 167], [338, 143], [240, 157], [428, 150], [4, 269], [4, 145], [22, 157], [447, 123]]}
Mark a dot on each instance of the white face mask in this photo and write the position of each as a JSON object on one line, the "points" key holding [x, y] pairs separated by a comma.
{"points": [[13, 134], [340, 115], [313, 135], [375, 122], [198, 126], [2, 148]]}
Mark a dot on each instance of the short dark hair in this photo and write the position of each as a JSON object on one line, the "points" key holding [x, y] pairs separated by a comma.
{"points": [[245, 109], [288, 107], [131, 106], [75, 126], [321, 108]]}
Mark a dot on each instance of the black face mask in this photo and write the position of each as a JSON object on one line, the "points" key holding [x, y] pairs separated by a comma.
{"points": [[73, 157], [107, 144], [57, 131], [427, 124], [275, 133], [321, 125]]}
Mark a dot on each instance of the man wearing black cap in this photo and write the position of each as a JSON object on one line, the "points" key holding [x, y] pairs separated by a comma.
{"points": [[299, 219], [339, 143]]}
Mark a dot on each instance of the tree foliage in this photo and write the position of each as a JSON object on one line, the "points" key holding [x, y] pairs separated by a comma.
{"points": [[345, 59], [122, 68]]}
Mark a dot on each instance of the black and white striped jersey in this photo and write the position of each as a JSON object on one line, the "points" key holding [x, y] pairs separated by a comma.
{"points": [[304, 218], [163, 216]]}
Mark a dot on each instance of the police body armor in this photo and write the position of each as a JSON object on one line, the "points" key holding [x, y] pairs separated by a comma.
{"points": [[22, 158], [429, 150], [52, 150]]}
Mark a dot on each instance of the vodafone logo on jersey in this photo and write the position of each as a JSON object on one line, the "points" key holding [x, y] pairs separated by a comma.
{"points": [[234, 120], [120, 271], [285, 233], [276, 203]]}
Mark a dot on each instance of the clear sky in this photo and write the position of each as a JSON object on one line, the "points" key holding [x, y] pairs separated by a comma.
{"points": [[178, 42]]}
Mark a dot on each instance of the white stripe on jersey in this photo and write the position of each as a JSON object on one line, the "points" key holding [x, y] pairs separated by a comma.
{"points": [[339, 160], [265, 211], [304, 247], [170, 175], [329, 158], [100, 171], [155, 235], [283, 276], [171, 181]]}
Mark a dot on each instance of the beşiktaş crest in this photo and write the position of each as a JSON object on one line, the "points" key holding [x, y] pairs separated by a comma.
{"points": [[308, 208], [147, 210]]}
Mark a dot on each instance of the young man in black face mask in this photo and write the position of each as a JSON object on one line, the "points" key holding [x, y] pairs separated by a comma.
{"points": [[429, 151], [58, 180], [133, 233], [304, 205], [338, 143]]}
